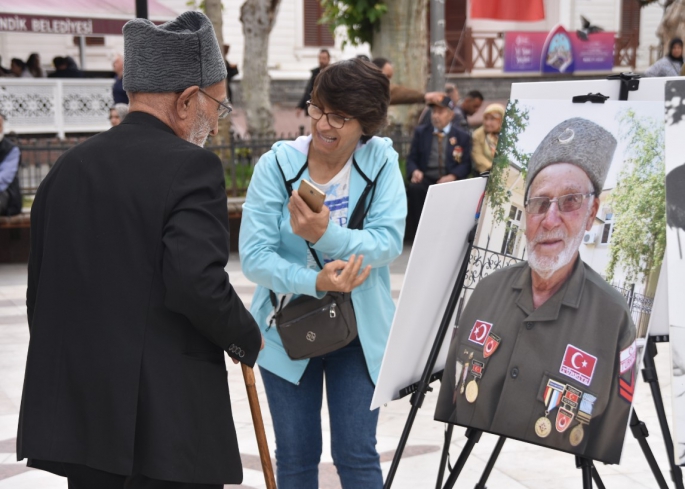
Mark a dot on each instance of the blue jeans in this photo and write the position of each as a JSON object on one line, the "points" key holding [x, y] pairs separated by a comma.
{"points": [[296, 414]]}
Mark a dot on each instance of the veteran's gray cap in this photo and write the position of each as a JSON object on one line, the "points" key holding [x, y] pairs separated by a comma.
{"points": [[173, 56], [579, 142]]}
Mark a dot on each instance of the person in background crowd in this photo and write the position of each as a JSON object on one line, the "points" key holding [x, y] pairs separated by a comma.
{"points": [[324, 60], [4, 71], [468, 107], [400, 95], [231, 69], [671, 64], [10, 159], [65, 68], [440, 152], [18, 69], [117, 114], [452, 92], [130, 309], [33, 65], [118, 93], [349, 105], [485, 138]]}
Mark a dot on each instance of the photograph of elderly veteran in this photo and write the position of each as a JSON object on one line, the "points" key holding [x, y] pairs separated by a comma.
{"points": [[129, 307], [348, 106], [545, 349]]}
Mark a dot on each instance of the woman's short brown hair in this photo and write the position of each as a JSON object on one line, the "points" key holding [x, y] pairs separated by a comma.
{"points": [[356, 88]]}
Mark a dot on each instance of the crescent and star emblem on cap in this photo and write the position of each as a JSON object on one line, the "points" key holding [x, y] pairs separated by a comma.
{"points": [[567, 136]]}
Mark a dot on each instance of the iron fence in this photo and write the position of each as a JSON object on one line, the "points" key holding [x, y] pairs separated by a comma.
{"points": [[238, 156], [483, 262]]}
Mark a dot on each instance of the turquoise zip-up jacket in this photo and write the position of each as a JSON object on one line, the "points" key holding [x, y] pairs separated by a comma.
{"points": [[275, 258]]}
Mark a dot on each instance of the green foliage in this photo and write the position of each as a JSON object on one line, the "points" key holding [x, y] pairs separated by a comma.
{"points": [[638, 240], [195, 5], [360, 18], [515, 122]]}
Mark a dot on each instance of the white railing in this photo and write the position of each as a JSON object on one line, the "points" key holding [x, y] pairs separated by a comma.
{"points": [[55, 106]]}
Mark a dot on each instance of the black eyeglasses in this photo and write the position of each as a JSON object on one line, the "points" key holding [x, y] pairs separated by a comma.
{"points": [[334, 120], [565, 203], [224, 109]]}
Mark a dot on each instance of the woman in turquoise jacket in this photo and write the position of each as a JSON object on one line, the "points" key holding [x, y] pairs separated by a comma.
{"points": [[349, 104]]}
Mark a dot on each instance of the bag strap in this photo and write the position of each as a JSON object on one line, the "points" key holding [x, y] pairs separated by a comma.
{"points": [[357, 217]]}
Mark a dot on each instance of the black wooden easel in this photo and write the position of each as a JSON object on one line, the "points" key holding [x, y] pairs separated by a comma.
{"points": [[629, 82], [421, 388]]}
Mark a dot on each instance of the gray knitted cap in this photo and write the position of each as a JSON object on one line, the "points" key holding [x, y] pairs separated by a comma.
{"points": [[173, 56], [579, 142]]}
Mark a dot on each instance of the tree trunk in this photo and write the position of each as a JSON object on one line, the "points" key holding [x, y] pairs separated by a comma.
{"points": [[223, 139], [213, 11], [258, 18], [403, 40], [672, 23]]}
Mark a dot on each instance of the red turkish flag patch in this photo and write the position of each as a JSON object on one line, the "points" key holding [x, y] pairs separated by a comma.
{"points": [[479, 332], [578, 365]]}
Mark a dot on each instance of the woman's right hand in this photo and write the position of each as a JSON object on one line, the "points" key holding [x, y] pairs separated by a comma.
{"points": [[342, 276]]}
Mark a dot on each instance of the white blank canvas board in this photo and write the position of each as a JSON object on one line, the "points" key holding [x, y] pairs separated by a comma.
{"points": [[436, 257]]}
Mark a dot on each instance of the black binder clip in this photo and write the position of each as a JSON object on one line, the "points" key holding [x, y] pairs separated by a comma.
{"points": [[595, 98], [630, 82]]}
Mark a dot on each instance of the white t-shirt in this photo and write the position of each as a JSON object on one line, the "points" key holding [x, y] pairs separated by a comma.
{"points": [[337, 192]]}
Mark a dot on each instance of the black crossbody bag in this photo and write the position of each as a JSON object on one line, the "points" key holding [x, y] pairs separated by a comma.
{"points": [[311, 327]]}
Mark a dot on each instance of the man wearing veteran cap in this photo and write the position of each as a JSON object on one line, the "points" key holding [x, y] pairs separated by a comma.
{"points": [[129, 307], [545, 350], [440, 152]]}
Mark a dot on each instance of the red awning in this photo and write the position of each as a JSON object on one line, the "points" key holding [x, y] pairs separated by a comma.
{"points": [[75, 17], [517, 10]]}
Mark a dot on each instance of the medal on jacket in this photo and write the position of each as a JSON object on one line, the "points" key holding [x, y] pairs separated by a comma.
{"points": [[491, 345], [472, 387], [552, 398], [584, 415], [465, 372], [569, 404]]}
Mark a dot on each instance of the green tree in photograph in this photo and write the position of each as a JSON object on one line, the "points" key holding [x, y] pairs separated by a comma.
{"points": [[515, 122], [638, 239]]}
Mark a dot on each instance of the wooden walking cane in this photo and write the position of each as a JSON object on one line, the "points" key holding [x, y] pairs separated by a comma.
{"points": [[248, 375]]}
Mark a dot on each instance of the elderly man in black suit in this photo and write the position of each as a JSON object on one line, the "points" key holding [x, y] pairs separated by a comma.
{"points": [[440, 152], [129, 306]]}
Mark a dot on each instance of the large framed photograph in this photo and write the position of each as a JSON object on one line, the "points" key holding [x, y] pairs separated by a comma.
{"points": [[675, 236], [561, 279]]}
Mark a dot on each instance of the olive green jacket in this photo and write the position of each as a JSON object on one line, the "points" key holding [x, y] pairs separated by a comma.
{"points": [[584, 320]]}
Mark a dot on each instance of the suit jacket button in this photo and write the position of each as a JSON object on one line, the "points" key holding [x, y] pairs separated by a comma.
{"points": [[514, 372], [529, 325]]}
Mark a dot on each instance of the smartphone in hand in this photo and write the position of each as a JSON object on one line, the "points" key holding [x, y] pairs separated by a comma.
{"points": [[311, 195]]}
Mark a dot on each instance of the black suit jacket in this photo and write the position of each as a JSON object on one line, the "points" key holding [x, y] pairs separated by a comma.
{"points": [[308, 90], [420, 151], [130, 311]]}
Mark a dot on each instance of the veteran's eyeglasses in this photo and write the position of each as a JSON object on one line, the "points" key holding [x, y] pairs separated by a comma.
{"points": [[336, 121], [565, 203], [224, 108]]}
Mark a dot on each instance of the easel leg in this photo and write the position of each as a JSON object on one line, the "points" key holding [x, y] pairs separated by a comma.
{"points": [[445, 455], [473, 437], [586, 466], [640, 433], [650, 376], [490, 464], [596, 478]]}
